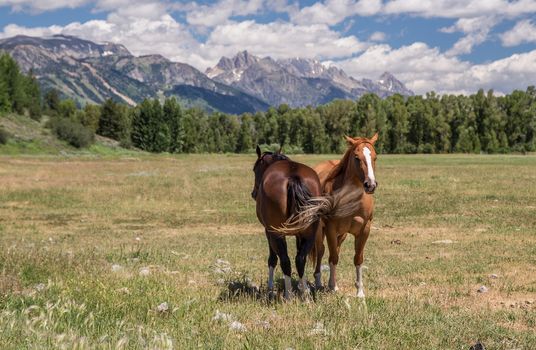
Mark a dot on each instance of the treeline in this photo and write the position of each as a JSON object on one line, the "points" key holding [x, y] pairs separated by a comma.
{"points": [[19, 93], [478, 123]]}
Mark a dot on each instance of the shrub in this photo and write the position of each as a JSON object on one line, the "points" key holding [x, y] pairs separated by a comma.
{"points": [[4, 136], [72, 132]]}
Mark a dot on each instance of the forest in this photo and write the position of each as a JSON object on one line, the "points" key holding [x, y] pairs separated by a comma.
{"points": [[480, 123]]}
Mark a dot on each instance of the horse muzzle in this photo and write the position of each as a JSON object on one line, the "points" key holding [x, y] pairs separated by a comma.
{"points": [[370, 186]]}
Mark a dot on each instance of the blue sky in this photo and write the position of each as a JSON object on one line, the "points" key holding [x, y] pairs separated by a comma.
{"points": [[449, 46]]}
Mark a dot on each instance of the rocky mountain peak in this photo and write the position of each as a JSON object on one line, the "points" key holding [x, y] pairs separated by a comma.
{"points": [[298, 81], [244, 59], [392, 84]]}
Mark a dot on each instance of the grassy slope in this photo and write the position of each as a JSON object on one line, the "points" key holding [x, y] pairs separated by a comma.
{"points": [[30, 137], [64, 223]]}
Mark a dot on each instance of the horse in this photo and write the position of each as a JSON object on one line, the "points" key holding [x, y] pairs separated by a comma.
{"points": [[288, 202], [355, 169]]}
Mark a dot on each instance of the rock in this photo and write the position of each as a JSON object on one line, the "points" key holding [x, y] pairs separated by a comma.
{"points": [[40, 287], [164, 307], [145, 271], [396, 241], [116, 268], [221, 316], [477, 346], [324, 268], [494, 276], [237, 326], [482, 289]]}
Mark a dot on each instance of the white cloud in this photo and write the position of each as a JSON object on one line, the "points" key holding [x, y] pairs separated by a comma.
{"points": [[281, 40], [476, 29], [165, 36], [140, 35], [37, 6], [332, 12], [378, 36], [424, 69], [523, 32], [460, 8], [221, 11]]}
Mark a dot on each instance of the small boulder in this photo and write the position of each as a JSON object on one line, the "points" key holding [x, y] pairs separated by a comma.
{"points": [[164, 307], [477, 346], [482, 289]]}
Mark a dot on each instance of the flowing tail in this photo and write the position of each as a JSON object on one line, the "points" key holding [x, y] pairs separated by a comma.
{"points": [[306, 210]]}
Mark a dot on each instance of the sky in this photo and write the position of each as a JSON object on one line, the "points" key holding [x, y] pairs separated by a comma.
{"points": [[447, 46]]}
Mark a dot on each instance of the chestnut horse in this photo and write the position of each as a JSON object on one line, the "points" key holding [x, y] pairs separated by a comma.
{"points": [[289, 203], [355, 169]]}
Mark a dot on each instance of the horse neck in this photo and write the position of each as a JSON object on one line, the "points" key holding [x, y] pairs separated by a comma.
{"points": [[347, 174]]}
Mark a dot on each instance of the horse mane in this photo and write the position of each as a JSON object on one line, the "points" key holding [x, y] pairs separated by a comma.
{"points": [[341, 167], [279, 156], [275, 157]]}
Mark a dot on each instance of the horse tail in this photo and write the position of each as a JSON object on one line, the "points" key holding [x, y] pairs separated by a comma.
{"points": [[298, 196], [342, 203]]}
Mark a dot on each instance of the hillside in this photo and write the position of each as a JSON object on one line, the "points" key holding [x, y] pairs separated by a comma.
{"points": [[27, 136]]}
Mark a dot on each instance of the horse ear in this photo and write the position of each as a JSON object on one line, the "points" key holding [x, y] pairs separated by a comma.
{"points": [[350, 140], [374, 138], [258, 149]]}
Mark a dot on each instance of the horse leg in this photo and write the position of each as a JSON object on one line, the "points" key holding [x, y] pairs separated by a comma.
{"points": [[331, 235], [272, 262], [279, 245], [320, 248], [304, 245], [360, 240]]}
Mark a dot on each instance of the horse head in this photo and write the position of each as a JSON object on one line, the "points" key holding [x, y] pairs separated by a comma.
{"points": [[365, 160], [264, 160]]}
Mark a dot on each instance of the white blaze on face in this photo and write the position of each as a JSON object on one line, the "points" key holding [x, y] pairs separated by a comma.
{"points": [[366, 153]]}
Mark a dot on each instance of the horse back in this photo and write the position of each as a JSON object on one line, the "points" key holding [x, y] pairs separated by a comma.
{"points": [[323, 169]]}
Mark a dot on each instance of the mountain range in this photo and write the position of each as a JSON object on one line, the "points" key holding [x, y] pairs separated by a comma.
{"points": [[91, 72]]}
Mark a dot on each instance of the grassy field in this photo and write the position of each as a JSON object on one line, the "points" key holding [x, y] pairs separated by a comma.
{"points": [[92, 247]]}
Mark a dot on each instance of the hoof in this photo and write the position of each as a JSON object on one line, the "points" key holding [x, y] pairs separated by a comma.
{"points": [[304, 291], [361, 294], [333, 288]]}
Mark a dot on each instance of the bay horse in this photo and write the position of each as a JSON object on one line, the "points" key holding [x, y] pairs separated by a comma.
{"points": [[355, 169], [289, 202]]}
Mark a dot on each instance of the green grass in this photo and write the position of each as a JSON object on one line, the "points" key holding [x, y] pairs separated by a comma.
{"points": [[67, 222]]}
